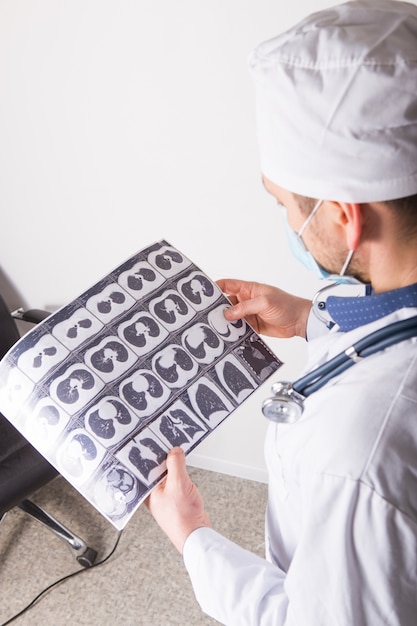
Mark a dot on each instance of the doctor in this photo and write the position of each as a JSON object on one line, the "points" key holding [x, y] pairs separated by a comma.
{"points": [[337, 125]]}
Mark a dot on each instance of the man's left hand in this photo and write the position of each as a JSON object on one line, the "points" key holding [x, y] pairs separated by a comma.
{"points": [[176, 503]]}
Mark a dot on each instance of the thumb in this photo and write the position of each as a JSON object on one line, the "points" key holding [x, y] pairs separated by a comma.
{"points": [[233, 312], [177, 472]]}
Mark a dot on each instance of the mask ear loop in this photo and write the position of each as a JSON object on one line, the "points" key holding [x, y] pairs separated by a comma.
{"points": [[310, 217], [307, 222], [346, 263]]}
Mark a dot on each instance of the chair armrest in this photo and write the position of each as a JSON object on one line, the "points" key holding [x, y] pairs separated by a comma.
{"points": [[32, 315]]}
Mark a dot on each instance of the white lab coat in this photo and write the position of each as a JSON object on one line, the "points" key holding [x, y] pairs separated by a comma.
{"points": [[341, 522]]}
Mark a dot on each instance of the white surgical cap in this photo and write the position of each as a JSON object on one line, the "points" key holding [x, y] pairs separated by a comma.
{"points": [[336, 103]]}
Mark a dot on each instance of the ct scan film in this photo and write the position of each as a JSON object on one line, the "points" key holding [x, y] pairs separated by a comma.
{"points": [[142, 361]]}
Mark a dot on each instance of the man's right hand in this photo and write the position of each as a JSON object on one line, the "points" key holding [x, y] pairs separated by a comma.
{"points": [[269, 310]]}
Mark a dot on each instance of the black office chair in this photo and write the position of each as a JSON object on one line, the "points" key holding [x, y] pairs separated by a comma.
{"points": [[22, 469]]}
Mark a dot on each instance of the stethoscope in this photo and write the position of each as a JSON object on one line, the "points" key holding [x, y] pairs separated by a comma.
{"points": [[287, 404]]}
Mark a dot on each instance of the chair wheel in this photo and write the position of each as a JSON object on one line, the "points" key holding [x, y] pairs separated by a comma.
{"points": [[87, 558]]}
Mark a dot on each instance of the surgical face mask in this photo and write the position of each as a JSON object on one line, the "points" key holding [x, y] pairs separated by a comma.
{"points": [[300, 252]]}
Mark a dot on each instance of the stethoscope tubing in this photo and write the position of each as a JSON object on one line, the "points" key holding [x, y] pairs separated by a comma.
{"points": [[375, 342]]}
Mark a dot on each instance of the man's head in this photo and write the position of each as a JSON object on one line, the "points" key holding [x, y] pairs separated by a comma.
{"points": [[337, 123], [337, 103]]}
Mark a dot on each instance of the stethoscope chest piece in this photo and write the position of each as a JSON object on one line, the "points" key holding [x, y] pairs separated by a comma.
{"points": [[287, 403], [285, 406]]}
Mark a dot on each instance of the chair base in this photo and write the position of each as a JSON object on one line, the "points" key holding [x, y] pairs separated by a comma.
{"points": [[85, 555]]}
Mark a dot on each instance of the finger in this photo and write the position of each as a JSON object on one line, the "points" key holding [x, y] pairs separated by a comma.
{"points": [[246, 308], [177, 472], [221, 283], [159, 489], [233, 312], [229, 286]]}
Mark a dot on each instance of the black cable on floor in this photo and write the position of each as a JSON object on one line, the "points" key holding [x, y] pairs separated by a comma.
{"points": [[61, 580]]}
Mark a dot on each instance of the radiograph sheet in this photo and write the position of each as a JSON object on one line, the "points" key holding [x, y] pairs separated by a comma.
{"points": [[142, 361]]}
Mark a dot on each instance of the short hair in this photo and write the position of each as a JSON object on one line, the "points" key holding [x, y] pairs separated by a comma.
{"points": [[404, 208]]}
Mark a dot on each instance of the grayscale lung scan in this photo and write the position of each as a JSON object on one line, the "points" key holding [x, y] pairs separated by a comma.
{"points": [[142, 361]]}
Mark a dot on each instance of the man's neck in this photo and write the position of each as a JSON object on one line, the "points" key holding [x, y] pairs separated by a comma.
{"points": [[394, 269]]}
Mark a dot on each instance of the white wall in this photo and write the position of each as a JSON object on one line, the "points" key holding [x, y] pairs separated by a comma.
{"points": [[126, 121]]}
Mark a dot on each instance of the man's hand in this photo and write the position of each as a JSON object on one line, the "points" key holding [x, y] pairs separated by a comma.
{"points": [[269, 310], [176, 503]]}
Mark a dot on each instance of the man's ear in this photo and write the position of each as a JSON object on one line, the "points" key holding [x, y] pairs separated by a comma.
{"points": [[350, 218], [354, 221]]}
